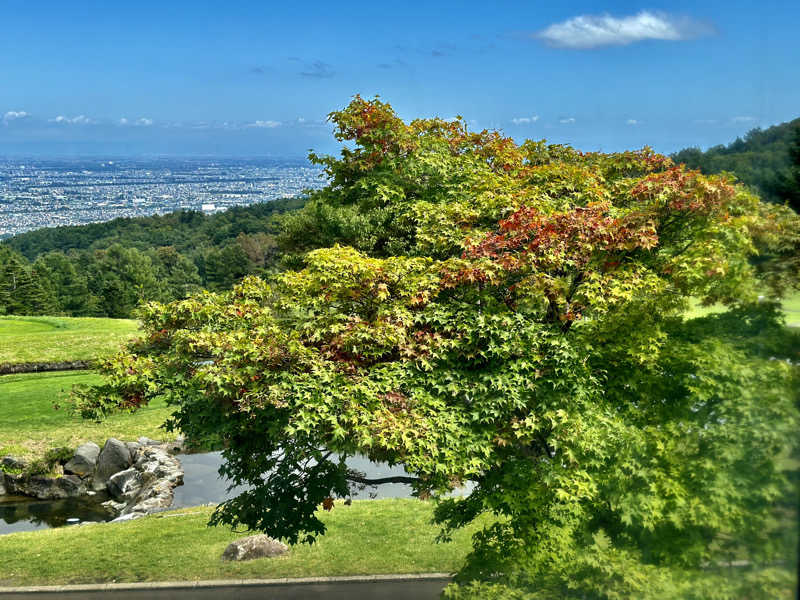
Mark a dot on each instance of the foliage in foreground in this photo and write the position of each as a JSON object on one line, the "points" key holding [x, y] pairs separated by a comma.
{"points": [[511, 316]]}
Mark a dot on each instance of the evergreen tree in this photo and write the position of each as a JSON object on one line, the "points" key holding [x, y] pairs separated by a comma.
{"points": [[69, 286], [24, 292]]}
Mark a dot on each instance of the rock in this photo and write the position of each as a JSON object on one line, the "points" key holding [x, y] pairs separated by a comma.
{"points": [[255, 546], [114, 507], [3, 491], [124, 486], [84, 461], [71, 485], [9, 462], [160, 473], [134, 448], [128, 517], [46, 488], [146, 441], [114, 457]]}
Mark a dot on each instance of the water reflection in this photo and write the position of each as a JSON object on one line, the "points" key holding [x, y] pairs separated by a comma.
{"points": [[19, 513], [202, 483]]}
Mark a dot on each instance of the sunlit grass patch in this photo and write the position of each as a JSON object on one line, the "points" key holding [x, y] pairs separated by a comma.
{"points": [[56, 339]]}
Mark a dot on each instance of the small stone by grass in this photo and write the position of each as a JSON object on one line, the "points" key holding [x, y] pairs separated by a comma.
{"points": [[365, 538]]}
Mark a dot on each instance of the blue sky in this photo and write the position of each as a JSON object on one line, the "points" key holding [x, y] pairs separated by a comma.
{"points": [[258, 78]]}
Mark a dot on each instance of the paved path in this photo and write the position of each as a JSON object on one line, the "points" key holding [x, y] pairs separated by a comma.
{"points": [[396, 587]]}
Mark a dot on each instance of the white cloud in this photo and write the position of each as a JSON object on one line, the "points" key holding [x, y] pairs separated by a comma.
{"points": [[13, 115], [525, 120], [567, 120], [592, 31], [265, 124], [632, 122], [744, 119], [79, 120], [123, 121], [144, 122]]}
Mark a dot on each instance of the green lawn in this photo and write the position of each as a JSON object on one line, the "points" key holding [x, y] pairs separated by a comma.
{"points": [[791, 308], [29, 424], [46, 339], [369, 537]]}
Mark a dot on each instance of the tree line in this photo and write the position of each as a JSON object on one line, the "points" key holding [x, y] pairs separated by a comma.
{"points": [[107, 269], [767, 160]]}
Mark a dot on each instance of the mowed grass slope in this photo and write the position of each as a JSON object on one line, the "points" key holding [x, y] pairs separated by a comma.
{"points": [[368, 537], [57, 339], [790, 305], [29, 423]]}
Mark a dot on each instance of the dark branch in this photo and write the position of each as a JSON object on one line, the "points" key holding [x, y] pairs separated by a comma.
{"points": [[380, 480]]}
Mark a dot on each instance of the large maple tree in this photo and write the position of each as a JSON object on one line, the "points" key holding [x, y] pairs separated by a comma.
{"points": [[510, 316]]}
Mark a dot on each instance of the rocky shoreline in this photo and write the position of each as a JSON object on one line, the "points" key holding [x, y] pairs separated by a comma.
{"points": [[139, 477]]}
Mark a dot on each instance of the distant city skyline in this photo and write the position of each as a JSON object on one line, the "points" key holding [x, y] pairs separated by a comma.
{"points": [[257, 79]]}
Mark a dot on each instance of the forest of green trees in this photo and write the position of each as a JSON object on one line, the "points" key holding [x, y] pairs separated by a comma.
{"points": [[107, 269], [767, 160]]}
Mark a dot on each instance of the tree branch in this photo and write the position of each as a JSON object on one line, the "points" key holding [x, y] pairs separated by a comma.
{"points": [[381, 480]]}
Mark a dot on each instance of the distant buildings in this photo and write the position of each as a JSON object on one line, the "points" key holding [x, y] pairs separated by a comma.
{"points": [[49, 193]]}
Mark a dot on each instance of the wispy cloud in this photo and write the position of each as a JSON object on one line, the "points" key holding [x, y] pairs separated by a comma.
{"points": [[706, 121], [593, 31], [317, 70], [13, 115], [567, 120], [144, 122], [264, 124], [79, 120], [744, 119], [525, 120], [633, 122]]}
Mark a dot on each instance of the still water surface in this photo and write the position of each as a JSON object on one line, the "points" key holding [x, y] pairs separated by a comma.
{"points": [[201, 485]]}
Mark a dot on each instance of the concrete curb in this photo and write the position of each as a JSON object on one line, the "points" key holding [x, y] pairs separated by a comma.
{"points": [[217, 583]]}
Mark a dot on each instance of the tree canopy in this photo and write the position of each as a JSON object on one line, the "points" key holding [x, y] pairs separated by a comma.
{"points": [[509, 316]]}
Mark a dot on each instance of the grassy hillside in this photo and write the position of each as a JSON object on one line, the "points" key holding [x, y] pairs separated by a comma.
{"points": [[791, 308], [55, 339], [29, 423], [170, 547]]}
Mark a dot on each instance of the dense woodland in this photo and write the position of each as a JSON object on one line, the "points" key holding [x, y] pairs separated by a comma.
{"points": [[106, 269], [767, 160]]}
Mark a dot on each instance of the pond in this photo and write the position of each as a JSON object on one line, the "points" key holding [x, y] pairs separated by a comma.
{"points": [[201, 485]]}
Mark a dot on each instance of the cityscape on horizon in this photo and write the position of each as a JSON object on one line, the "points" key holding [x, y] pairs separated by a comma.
{"points": [[51, 193]]}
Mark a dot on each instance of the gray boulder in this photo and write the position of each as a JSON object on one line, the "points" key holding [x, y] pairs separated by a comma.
{"points": [[114, 457], [84, 461], [9, 462], [134, 447], [124, 486], [46, 488], [3, 491], [146, 441], [71, 485], [255, 546]]}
